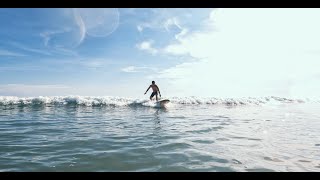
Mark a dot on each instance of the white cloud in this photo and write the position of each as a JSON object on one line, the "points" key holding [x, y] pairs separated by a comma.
{"points": [[147, 46], [140, 28], [129, 69], [4, 52], [176, 49], [182, 33], [133, 69], [167, 18], [249, 52], [172, 22], [157, 23]]}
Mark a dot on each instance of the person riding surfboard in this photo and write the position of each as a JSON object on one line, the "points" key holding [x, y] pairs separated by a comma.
{"points": [[155, 90]]}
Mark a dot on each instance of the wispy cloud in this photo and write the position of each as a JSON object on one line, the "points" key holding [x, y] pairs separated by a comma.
{"points": [[47, 35], [65, 51], [20, 68], [34, 50], [167, 18], [96, 22], [68, 35], [34, 90], [83, 63], [95, 63], [129, 11], [182, 33], [157, 19], [140, 28], [172, 22], [134, 69], [147, 46], [61, 65], [4, 52]]}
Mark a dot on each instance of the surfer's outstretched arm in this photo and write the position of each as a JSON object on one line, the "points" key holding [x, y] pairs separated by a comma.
{"points": [[147, 90]]}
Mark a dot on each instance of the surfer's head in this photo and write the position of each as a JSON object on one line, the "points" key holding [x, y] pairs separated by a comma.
{"points": [[153, 82]]}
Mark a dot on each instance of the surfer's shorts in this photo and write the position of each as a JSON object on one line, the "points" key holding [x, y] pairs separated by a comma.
{"points": [[153, 93]]}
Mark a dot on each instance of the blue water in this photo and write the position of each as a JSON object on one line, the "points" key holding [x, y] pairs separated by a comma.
{"points": [[182, 137]]}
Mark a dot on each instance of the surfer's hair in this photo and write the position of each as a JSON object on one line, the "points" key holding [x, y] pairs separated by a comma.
{"points": [[153, 82]]}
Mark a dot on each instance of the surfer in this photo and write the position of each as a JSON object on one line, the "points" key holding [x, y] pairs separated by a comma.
{"points": [[155, 90]]}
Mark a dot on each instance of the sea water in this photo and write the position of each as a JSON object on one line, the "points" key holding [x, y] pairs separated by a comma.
{"points": [[77, 133]]}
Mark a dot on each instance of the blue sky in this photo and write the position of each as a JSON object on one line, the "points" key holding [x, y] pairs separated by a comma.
{"points": [[200, 52]]}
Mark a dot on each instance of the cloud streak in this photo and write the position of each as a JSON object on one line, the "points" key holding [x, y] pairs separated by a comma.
{"points": [[4, 52], [134, 69], [33, 50], [34, 90]]}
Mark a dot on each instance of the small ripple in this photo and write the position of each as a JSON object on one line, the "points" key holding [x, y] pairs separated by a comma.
{"points": [[174, 146], [211, 120], [176, 117], [205, 158], [146, 117], [223, 117], [173, 169], [234, 161], [223, 139], [207, 129], [203, 141], [272, 159], [238, 137], [260, 170]]}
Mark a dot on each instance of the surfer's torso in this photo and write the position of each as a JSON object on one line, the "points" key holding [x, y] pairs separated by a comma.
{"points": [[154, 88]]}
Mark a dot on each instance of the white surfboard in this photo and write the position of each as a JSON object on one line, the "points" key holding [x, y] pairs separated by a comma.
{"points": [[163, 102]]}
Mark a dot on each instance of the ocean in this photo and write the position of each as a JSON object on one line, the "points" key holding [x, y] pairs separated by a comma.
{"points": [[83, 133]]}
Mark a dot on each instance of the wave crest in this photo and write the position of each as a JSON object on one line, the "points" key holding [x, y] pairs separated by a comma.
{"points": [[122, 101]]}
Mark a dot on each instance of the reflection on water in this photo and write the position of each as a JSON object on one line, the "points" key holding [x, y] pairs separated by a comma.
{"points": [[157, 122]]}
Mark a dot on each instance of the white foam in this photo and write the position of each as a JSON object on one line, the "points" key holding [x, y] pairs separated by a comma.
{"points": [[122, 101]]}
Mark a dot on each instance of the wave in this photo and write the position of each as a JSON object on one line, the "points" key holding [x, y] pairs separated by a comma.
{"points": [[122, 101]]}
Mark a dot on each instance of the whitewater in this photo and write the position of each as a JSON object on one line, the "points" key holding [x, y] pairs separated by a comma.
{"points": [[122, 101]]}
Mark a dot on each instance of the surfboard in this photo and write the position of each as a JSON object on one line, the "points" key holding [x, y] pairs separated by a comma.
{"points": [[163, 102]]}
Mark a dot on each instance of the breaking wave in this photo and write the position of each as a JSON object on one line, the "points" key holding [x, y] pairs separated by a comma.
{"points": [[122, 101]]}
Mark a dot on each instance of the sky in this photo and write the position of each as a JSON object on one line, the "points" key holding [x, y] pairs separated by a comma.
{"points": [[188, 52]]}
